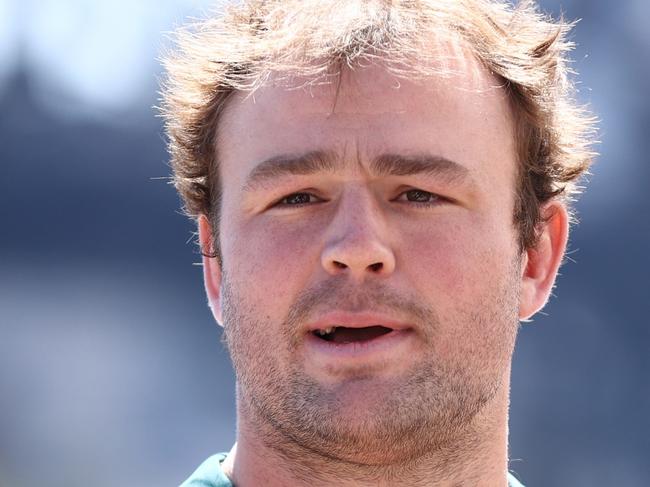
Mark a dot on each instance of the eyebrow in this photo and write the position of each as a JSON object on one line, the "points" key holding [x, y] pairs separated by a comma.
{"points": [[276, 167], [313, 162], [422, 164]]}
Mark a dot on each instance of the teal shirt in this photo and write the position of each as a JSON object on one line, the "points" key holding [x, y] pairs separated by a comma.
{"points": [[209, 474]]}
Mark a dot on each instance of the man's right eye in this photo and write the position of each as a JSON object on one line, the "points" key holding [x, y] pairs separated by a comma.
{"points": [[297, 199]]}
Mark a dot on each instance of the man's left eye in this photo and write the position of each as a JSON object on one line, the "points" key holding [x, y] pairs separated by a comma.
{"points": [[419, 196]]}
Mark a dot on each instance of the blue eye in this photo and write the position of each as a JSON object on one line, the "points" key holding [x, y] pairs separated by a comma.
{"points": [[419, 197], [297, 199]]}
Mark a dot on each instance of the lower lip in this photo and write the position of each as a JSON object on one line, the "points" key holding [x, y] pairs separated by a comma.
{"points": [[380, 347]]}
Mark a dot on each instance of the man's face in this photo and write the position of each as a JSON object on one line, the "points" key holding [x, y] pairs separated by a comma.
{"points": [[397, 218]]}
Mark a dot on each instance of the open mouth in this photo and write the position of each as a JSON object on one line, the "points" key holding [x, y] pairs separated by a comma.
{"points": [[342, 334]]}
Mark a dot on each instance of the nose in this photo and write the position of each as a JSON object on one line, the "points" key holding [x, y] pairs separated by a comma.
{"points": [[357, 241]]}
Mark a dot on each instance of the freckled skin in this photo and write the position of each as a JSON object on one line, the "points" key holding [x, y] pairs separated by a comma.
{"points": [[452, 269]]}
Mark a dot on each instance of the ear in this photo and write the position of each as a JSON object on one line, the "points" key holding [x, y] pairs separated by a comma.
{"points": [[541, 262], [211, 269]]}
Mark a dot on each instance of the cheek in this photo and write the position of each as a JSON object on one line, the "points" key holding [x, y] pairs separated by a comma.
{"points": [[465, 270], [455, 256], [280, 256]]}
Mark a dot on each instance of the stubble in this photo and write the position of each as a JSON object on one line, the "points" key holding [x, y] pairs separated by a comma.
{"points": [[430, 408]]}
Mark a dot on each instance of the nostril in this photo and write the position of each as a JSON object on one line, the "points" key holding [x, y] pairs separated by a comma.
{"points": [[340, 265], [376, 267]]}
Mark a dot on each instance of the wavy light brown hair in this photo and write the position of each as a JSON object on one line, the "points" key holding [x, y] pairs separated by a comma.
{"points": [[241, 49]]}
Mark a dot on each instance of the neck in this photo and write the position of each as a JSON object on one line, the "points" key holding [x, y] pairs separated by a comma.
{"points": [[262, 456]]}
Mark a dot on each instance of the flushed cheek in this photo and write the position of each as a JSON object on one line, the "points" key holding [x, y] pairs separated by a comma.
{"points": [[462, 270], [448, 257], [281, 256]]}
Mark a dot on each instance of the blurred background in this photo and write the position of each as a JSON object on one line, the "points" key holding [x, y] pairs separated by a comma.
{"points": [[111, 367]]}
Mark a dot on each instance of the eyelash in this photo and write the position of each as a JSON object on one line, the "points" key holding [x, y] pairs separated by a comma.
{"points": [[281, 202], [435, 199]]}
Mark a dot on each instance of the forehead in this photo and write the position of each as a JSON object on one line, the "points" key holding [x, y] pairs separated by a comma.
{"points": [[461, 113]]}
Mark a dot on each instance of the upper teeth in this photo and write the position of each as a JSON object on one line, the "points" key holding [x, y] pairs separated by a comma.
{"points": [[326, 331]]}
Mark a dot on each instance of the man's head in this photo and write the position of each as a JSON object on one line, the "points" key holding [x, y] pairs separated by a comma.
{"points": [[315, 41], [396, 172]]}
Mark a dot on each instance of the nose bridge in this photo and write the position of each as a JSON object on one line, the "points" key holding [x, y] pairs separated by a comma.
{"points": [[361, 214], [358, 238]]}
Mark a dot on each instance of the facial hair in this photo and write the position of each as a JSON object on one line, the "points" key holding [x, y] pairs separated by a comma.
{"points": [[429, 408]]}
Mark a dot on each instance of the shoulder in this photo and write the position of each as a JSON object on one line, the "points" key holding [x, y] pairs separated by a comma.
{"points": [[209, 474]]}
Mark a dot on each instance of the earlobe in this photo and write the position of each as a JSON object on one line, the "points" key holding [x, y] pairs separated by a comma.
{"points": [[542, 262], [211, 268]]}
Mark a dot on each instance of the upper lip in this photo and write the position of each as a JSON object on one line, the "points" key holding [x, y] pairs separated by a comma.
{"points": [[356, 320]]}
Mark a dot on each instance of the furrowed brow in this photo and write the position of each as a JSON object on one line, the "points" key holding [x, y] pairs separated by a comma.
{"points": [[276, 167], [430, 165]]}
